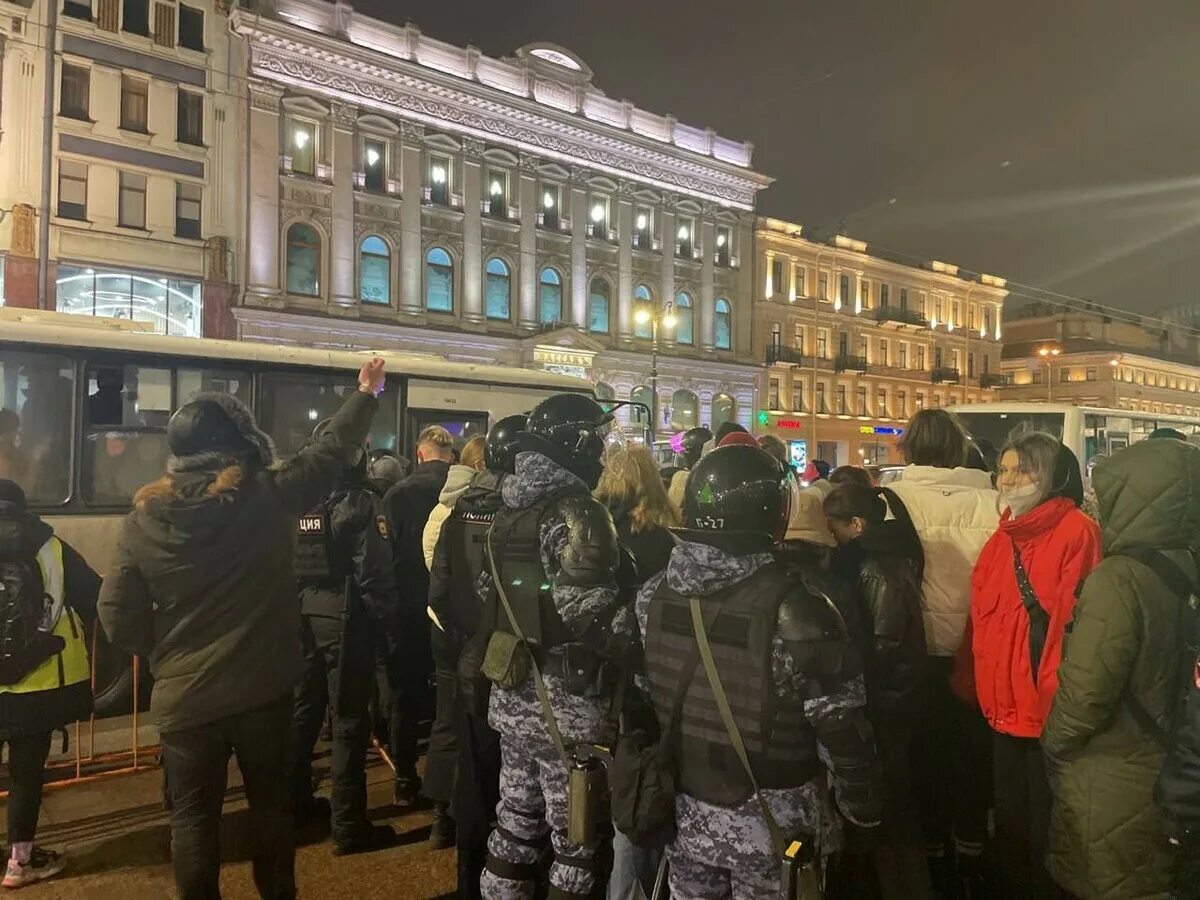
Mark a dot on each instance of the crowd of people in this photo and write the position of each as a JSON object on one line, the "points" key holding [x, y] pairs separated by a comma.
{"points": [[704, 680]]}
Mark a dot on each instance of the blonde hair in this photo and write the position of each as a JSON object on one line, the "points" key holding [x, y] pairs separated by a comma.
{"points": [[472, 453], [630, 478], [436, 436]]}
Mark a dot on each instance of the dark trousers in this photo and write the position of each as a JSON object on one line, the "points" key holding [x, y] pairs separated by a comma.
{"points": [[443, 736], [196, 762], [1022, 817], [407, 695], [26, 765], [476, 791], [952, 768], [342, 682]]}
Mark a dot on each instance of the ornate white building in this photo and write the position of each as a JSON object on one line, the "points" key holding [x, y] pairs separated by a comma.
{"points": [[405, 193]]}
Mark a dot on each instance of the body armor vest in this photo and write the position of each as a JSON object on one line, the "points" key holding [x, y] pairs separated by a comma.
{"points": [[781, 744], [465, 534], [314, 549], [516, 543]]}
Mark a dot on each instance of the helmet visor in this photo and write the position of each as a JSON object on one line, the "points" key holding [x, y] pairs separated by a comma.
{"points": [[613, 439]]}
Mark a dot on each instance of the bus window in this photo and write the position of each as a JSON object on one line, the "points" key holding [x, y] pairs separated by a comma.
{"points": [[462, 425], [124, 436], [190, 382], [37, 391], [291, 406]]}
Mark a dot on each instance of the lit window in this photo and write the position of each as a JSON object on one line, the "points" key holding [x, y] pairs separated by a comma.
{"points": [[439, 180], [374, 271], [439, 281], [723, 325], [643, 225], [724, 409], [550, 299], [303, 260], [549, 212], [499, 290], [724, 244], [642, 301], [498, 194], [374, 165], [303, 147], [684, 238], [684, 328], [598, 216], [598, 302]]}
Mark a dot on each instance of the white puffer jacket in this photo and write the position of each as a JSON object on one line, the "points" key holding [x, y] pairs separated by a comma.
{"points": [[458, 479], [954, 512]]}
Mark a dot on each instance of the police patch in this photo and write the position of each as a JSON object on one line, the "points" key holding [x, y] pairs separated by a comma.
{"points": [[312, 524], [381, 526]]}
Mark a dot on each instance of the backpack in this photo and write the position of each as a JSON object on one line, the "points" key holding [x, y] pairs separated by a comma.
{"points": [[1182, 726], [23, 644]]}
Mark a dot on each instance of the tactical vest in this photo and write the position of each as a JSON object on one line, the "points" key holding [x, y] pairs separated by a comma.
{"points": [[781, 744], [465, 534], [516, 543], [314, 550], [70, 666]]}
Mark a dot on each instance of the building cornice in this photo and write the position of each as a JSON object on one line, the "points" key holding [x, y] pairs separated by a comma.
{"points": [[341, 70]]}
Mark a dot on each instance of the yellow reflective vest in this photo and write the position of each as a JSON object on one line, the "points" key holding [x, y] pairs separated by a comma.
{"points": [[70, 666]]}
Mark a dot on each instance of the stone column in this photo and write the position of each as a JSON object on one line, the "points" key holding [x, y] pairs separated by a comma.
{"points": [[579, 222], [527, 317], [412, 142], [667, 286], [624, 298], [472, 260], [341, 241], [263, 249], [708, 299]]}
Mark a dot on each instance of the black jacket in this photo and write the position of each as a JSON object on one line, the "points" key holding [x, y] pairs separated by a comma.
{"points": [[889, 564], [650, 548], [22, 535], [202, 581], [458, 611], [408, 506], [362, 548]]}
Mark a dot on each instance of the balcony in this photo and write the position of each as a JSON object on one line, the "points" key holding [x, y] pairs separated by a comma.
{"points": [[789, 356], [945, 375], [992, 380], [899, 316], [846, 362], [601, 232]]}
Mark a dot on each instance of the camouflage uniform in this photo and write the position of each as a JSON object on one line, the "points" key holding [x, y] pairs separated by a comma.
{"points": [[533, 783], [722, 852]]}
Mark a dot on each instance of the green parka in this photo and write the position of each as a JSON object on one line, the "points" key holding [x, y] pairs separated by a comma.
{"points": [[1107, 838]]}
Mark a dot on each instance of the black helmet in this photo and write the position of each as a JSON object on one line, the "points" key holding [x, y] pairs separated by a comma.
{"points": [[356, 461], [500, 451], [214, 426], [693, 443], [569, 429], [738, 498]]}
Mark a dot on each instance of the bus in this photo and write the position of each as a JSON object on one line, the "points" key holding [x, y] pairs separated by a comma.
{"points": [[1091, 432], [84, 405]]}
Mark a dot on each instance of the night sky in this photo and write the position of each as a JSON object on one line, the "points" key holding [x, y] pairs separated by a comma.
{"points": [[1054, 142]]}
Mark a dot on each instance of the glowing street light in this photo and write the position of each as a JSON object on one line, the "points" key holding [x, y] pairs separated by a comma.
{"points": [[667, 318]]}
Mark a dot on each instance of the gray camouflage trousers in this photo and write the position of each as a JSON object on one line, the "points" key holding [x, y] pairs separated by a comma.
{"points": [[533, 795], [691, 879]]}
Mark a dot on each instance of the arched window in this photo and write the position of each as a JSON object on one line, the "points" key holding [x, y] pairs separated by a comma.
{"points": [[685, 410], [303, 260], [374, 271], [723, 325], [550, 300], [640, 394], [642, 300], [684, 333], [598, 306], [605, 391], [439, 280], [499, 290], [724, 409]]}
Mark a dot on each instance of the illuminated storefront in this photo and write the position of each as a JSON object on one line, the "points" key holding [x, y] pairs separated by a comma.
{"points": [[171, 305]]}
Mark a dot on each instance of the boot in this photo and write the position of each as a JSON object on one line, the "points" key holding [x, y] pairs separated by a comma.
{"points": [[442, 834]]}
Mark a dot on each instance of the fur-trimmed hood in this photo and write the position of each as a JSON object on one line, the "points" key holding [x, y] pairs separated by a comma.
{"points": [[195, 416], [169, 489]]}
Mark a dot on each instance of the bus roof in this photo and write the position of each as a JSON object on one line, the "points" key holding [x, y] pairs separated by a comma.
{"points": [[64, 331], [1033, 406]]}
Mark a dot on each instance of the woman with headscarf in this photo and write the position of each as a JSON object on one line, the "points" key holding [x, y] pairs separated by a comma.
{"points": [[1023, 594]]}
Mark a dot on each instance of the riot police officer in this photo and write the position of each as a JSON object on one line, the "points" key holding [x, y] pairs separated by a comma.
{"points": [[555, 604], [692, 446], [455, 608], [347, 596], [789, 673]]}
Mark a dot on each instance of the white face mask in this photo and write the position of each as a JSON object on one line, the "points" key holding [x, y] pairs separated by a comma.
{"points": [[1019, 500]]}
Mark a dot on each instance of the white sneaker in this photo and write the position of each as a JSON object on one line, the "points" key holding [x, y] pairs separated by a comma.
{"points": [[42, 864]]}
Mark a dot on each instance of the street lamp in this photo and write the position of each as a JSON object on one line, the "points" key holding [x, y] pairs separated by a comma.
{"points": [[665, 317], [1048, 354]]}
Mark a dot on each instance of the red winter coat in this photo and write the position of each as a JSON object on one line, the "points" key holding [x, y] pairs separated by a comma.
{"points": [[1059, 546]]}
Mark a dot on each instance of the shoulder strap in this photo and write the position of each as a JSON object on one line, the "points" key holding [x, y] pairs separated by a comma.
{"points": [[735, 736], [1039, 619], [543, 696], [686, 675]]}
